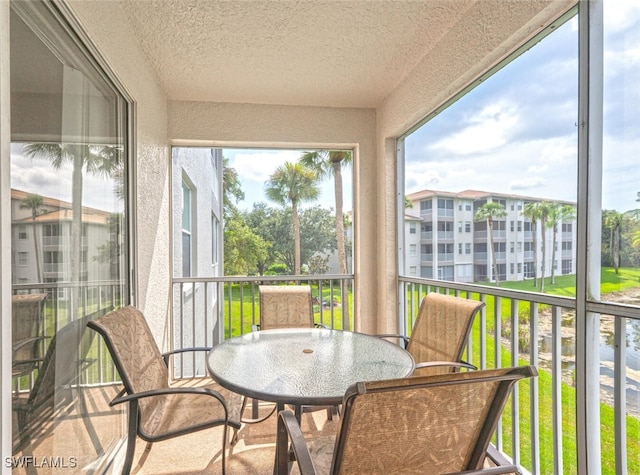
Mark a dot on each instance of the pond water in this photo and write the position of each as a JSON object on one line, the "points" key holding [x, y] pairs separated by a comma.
{"points": [[606, 360]]}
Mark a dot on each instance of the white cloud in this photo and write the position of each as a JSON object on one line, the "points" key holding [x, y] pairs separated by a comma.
{"points": [[521, 184], [621, 14], [254, 167], [487, 130], [258, 165]]}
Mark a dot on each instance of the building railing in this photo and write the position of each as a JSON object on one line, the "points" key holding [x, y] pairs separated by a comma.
{"points": [[514, 328], [519, 327], [92, 298], [201, 303]]}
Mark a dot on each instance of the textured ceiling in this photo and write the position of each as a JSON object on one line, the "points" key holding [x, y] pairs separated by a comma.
{"points": [[348, 53]]}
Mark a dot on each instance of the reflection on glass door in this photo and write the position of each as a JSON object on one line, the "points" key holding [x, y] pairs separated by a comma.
{"points": [[68, 202]]}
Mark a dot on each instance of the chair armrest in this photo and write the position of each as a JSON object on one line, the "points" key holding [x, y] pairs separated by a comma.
{"points": [[26, 341], [321, 325], [455, 364], [120, 398], [404, 339], [502, 465], [166, 355], [300, 448], [490, 471], [255, 327]]}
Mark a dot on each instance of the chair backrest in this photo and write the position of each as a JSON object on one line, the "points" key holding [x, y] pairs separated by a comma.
{"points": [[134, 352], [27, 313], [63, 361], [427, 424], [285, 306], [441, 330]]}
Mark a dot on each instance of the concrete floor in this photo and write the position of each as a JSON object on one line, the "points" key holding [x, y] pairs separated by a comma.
{"points": [[75, 444]]}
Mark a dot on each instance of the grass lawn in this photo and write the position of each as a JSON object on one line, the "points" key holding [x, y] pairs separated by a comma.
{"points": [[565, 286], [245, 314]]}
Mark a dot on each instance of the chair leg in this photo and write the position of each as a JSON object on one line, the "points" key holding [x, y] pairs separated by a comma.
{"points": [[131, 437]]}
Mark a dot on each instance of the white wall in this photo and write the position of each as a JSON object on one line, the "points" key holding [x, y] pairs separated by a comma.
{"points": [[110, 32]]}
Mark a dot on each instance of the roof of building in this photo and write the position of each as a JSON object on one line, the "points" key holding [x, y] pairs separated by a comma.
{"points": [[477, 195]]}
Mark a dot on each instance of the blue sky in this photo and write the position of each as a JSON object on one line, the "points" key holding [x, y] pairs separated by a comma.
{"points": [[254, 168], [516, 132]]}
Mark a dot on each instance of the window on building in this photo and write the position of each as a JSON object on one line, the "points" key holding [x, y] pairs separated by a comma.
{"points": [[22, 232], [23, 259], [186, 230], [426, 205], [467, 248], [412, 228], [413, 250], [215, 233]]}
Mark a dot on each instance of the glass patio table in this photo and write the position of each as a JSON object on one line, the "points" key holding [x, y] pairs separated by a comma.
{"points": [[303, 367]]}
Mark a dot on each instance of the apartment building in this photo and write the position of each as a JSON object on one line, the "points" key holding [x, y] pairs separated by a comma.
{"points": [[42, 242], [445, 240]]}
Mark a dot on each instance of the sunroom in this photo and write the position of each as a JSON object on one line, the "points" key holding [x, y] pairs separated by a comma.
{"points": [[107, 106]]}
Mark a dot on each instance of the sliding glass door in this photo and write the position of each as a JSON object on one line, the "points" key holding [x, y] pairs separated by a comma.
{"points": [[69, 241]]}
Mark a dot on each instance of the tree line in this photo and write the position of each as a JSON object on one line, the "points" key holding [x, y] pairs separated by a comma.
{"points": [[620, 237], [292, 239]]}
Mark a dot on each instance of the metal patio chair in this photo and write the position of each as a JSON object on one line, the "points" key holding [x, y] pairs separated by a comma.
{"points": [[286, 306], [58, 379], [28, 339], [440, 333], [438, 424], [158, 411]]}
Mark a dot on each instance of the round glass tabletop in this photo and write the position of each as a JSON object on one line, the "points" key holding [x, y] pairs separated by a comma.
{"points": [[304, 366]]}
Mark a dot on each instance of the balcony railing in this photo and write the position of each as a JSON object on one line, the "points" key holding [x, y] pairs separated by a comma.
{"points": [[515, 327], [518, 327], [201, 303], [92, 298]]}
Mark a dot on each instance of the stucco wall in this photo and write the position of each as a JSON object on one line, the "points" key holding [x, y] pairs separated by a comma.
{"points": [[225, 124], [111, 34]]}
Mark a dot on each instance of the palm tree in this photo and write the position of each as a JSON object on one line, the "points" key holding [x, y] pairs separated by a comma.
{"points": [[489, 211], [327, 163], [558, 213], [532, 211], [544, 209], [34, 202], [614, 221], [293, 183], [231, 188], [101, 160]]}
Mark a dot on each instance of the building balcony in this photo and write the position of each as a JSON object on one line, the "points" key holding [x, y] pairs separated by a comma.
{"points": [[500, 337]]}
